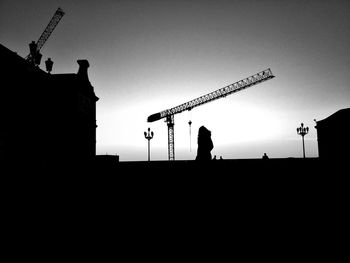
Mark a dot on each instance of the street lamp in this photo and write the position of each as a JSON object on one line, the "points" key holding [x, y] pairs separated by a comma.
{"points": [[303, 131], [49, 64], [149, 136]]}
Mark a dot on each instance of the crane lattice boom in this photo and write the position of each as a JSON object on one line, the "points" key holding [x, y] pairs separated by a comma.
{"points": [[220, 93], [49, 28], [45, 35]]}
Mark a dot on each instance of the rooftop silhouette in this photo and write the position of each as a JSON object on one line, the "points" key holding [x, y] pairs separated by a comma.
{"points": [[47, 118]]}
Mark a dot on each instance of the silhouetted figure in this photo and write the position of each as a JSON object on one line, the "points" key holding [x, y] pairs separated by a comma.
{"points": [[214, 158], [265, 157], [220, 158], [205, 144]]}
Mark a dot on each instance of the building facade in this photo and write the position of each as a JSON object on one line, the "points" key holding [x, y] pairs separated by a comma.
{"points": [[45, 118], [333, 136]]}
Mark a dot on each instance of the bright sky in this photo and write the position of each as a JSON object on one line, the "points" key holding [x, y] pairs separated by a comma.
{"points": [[150, 55]]}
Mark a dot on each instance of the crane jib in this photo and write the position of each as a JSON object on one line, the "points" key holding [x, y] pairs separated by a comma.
{"points": [[49, 28], [220, 93]]}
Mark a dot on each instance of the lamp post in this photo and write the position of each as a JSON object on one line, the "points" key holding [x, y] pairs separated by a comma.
{"points": [[303, 131], [149, 136], [49, 64]]}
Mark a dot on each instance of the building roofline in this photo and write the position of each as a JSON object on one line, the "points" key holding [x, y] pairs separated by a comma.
{"points": [[334, 115], [15, 57]]}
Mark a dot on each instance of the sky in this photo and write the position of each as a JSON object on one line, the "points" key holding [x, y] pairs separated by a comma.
{"points": [[151, 55]]}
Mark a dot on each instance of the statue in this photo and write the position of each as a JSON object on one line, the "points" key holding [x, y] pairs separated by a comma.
{"points": [[205, 144]]}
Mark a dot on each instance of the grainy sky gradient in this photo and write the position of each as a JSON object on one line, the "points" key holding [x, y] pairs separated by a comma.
{"points": [[150, 55]]}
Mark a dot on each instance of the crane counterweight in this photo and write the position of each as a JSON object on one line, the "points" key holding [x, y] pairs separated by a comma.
{"points": [[154, 117]]}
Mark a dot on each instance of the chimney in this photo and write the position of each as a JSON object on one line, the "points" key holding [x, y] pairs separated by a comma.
{"points": [[83, 69]]}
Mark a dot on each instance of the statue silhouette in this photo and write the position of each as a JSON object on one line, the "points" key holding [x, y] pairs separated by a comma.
{"points": [[265, 157], [205, 144]]}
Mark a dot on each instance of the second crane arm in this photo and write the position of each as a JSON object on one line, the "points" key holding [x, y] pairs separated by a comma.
{"points": [[220, 93]]}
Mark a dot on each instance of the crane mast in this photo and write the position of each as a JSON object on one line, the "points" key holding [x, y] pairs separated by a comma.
{"points": [[217, 94]]}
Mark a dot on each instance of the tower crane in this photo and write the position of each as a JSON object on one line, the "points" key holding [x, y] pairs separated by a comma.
{"points": [[35, 56], [217, 94]]}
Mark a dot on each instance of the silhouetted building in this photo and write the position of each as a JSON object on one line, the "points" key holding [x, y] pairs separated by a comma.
{"points": [[45, 117], [333, 135]]}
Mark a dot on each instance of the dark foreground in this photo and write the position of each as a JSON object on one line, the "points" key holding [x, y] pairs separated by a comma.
{"points": [[279, 169], [278, 208], [289, 177]]}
